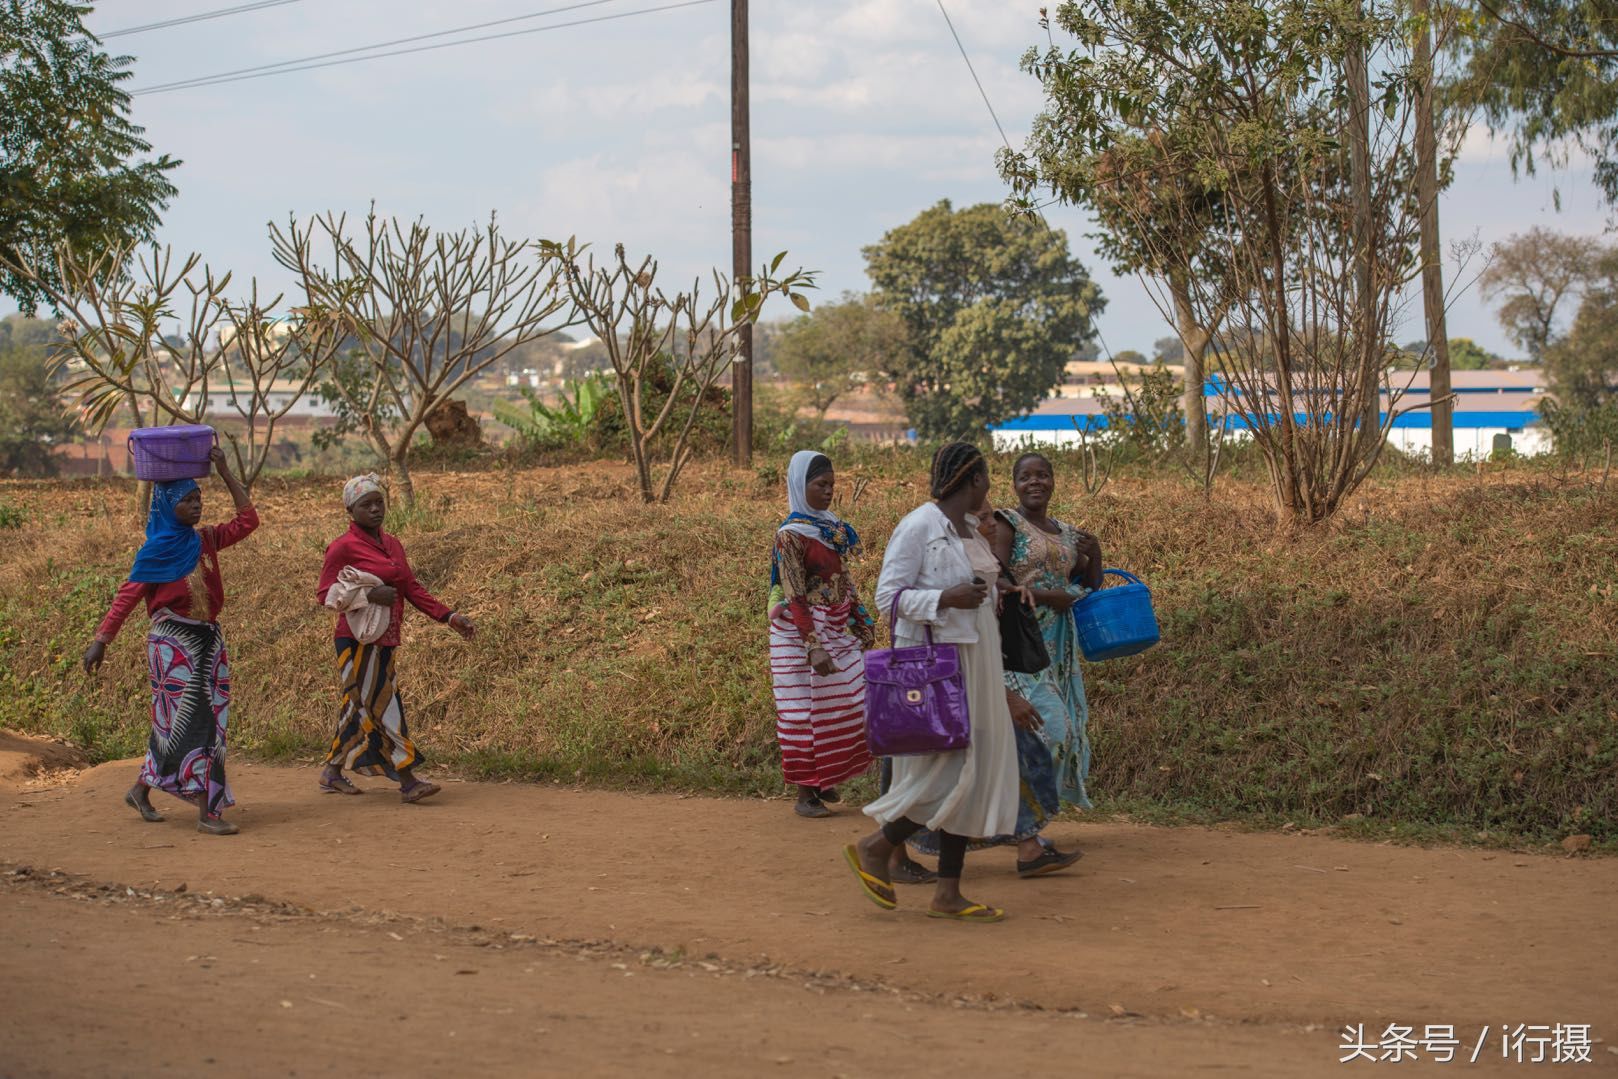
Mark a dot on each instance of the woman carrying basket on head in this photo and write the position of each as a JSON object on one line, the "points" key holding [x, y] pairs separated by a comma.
{"points": [[372, 737], [176, 574]]}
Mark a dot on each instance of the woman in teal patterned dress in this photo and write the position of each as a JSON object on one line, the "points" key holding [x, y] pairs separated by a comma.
{"points": [[1059, 564]]}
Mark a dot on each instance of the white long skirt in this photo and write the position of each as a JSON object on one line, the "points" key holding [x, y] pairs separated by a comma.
{"points": [[972, 791]]}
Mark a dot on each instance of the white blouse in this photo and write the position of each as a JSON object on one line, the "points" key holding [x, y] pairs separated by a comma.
{"points": [[925, 556]]}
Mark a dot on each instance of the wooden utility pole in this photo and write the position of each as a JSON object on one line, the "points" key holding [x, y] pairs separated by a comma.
{"points": [[741, 231], [1432, 268]]}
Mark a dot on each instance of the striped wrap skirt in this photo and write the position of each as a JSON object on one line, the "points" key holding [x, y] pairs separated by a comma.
{"points": [[820, 719]]}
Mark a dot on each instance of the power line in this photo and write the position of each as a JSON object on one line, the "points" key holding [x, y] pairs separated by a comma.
{"points": [[1039, 211], [378, 45], [983, 93], [258, 73], [201, 16]]}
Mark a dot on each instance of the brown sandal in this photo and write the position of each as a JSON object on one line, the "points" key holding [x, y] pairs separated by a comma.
{"points": [[338, 784], [418, 790]]}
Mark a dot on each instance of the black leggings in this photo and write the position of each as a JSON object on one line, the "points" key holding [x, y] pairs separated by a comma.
{"points": [[951, 847]]}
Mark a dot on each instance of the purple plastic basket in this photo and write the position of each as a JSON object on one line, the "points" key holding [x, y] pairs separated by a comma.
{"points": [[172, 453]]}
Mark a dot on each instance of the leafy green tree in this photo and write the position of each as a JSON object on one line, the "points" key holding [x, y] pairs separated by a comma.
{"points": [[1157, 219], [32, 419], [1582, 367], [1534, 274], [1466, 354], [1582, 409], [1168, 349], [73, 167], [1293, 120], [20, 331], [835, 348], [1545, 73], [994, 307]]}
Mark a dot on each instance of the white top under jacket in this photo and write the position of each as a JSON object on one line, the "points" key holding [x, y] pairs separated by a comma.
{"points": [[926, 555]]}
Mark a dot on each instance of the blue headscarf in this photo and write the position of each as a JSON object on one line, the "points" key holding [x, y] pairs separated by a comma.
{"points": [[171, 549]]}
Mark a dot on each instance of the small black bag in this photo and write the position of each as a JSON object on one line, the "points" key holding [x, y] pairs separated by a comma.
{"points": [[1022, 645]]}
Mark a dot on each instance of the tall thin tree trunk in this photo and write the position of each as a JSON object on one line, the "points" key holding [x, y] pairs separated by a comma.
{"points": [[1365, 242], [402, 483], [1432, 268], [143, 489], [385, 452], [1194, 342]]}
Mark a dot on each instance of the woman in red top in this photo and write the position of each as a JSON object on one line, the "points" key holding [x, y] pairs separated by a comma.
{"points": [[176, 573], [372, 737]]}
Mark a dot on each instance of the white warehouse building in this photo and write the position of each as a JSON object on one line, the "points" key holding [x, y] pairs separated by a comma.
{"points": [[1491, 408]]}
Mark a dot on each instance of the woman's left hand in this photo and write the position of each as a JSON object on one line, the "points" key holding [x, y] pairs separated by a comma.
{"points": [[1058, 600], [220, 462], [462, 625], [1024, 716], [1089, 552]]}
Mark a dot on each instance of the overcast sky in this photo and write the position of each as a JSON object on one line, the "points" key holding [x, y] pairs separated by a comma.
{"points": [[863, 114]]}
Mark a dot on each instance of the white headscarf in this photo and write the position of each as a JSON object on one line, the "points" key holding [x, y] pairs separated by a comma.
{"points": [[798, 496], [360, 486]]}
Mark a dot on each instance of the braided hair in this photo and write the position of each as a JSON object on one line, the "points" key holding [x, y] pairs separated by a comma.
{"points": [[954, 465], [1031, 456]]}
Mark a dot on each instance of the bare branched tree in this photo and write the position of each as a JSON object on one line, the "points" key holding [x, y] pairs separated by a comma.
{"points": [[429, 311], [267, 366], [140, 325], [682, 343], [157, 336]]}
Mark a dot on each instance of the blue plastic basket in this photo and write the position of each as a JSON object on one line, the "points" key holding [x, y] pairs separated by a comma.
{"points": [[1117, 621]]}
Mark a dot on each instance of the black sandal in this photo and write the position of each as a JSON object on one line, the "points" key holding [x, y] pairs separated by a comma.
{"points": [[216, 826], [910, 871], [812, 809], [145, 808], [1050, 860], [829, 795]]}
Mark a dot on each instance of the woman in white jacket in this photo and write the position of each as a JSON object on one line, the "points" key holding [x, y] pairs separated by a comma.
{"points": [[944, 569]]}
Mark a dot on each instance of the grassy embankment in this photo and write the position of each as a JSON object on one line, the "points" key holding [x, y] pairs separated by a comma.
{"points": [[1438, 661]]}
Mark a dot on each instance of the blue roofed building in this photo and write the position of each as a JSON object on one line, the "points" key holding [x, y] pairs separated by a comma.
{"points": [[1491, 408]]}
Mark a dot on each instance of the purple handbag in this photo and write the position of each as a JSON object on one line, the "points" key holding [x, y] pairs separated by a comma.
{"points": [[915, 698]]}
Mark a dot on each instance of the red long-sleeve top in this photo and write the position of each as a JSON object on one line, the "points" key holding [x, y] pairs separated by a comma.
{"points": [[175, 596], [386, 561]]}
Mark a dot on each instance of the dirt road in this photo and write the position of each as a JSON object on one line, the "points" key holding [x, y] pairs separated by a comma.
{"points": [[515, 930]]}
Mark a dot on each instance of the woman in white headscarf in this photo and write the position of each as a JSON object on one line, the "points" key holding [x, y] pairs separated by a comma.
{"points": [[372, 737], [819, 631]]}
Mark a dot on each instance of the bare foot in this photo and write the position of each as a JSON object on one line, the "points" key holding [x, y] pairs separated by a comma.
{"points": [[876, 866]]}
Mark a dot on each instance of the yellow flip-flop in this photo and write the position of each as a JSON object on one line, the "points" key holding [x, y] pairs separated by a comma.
{"points": [[852, 857], [977, 912]]}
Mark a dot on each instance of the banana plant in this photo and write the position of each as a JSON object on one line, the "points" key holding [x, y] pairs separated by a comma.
{"points": [[568, 422]]}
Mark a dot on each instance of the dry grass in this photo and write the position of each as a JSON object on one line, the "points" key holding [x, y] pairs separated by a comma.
{"points": [[1440, 656]]}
